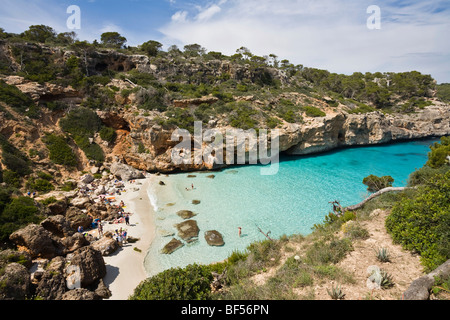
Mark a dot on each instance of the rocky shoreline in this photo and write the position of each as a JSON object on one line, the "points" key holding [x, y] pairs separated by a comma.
{"points": [[56, 261]]}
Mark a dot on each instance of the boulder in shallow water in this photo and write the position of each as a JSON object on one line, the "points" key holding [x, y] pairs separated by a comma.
{"points": [[214, 238], [186, 214], [196, 201], [188, 230], [173, 245]]}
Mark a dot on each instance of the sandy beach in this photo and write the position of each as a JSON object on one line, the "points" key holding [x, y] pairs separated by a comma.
{"points": [[125, 268]]}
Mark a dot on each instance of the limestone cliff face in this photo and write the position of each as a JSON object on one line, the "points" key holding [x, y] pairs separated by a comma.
{"points": [[147, 146], [372, 128]]}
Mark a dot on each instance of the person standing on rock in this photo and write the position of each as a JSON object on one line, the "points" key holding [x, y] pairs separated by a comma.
{"points": [[100, 229]]}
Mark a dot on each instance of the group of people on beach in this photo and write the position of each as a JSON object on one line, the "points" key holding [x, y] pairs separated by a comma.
{"points": [[120, 236]]}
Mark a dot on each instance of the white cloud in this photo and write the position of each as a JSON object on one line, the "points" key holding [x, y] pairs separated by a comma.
{"points": [[208, 13], [328, 34], [180, 16]]}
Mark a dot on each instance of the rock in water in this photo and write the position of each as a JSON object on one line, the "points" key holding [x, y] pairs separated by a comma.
{"points": [[188, 230], [173, 245], [214, 238], [186, 214]]}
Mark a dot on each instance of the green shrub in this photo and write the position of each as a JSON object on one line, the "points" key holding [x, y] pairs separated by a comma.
{"points": [[266, 253], [5, 198], [181, 118], [37, 65], [242, 116], [60, 151], [288, 111], [92, 150], [422, 175], [375, 183], [13, 158], [151, 99], [12, 179], [69, 186], [326, 252], [272, 122], [437, 157], [17, 214], [41, 185], [108, 134], [361, 108], [189, 283], [313, 111], [422, 223], [81, 122], [13, 97], [443, 91]]}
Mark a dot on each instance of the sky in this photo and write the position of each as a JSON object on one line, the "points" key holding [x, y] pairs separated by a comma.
{"points": [[336, 35]]}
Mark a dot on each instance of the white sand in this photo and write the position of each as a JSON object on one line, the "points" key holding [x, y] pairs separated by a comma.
{"points": [[125, 268]]}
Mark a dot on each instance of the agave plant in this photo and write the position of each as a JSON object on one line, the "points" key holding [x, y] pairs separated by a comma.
{"points": [[336, 293], [387, 280], [383, 255]]}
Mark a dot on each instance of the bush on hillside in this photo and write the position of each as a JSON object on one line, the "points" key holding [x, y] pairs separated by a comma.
{"points": [[422, 223], [108, 134], [375, 183], [60, 151], [189, 283], [81, 122], [17, 214], [439, 154]]}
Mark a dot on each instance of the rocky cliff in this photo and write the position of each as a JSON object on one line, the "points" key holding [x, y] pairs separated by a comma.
{"points": [[335, 130], [145, 98]]}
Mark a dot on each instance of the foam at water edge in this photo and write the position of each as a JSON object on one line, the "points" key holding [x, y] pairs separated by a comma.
{"points": [[151, 193]]}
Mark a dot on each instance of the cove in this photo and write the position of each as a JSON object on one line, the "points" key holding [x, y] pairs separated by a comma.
{"points": [[287, 203]]}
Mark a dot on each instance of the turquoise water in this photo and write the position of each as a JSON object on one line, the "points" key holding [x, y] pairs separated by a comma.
{"points": [[290, 202]]}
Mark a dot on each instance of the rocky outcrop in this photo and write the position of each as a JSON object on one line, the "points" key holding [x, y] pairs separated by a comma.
{"points": [[186, 214], [106, 245], [198, 101], [46, 91], [78, 218], [188, 230], [125, 172], [37, 241], [90, 264], [15, 282], [173, 245], [421, 287], [341, 130], [58, 225], [214, 238], [336, 130]]}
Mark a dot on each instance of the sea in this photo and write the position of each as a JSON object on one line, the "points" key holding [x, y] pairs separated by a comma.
{"points": [[287, 203]]}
